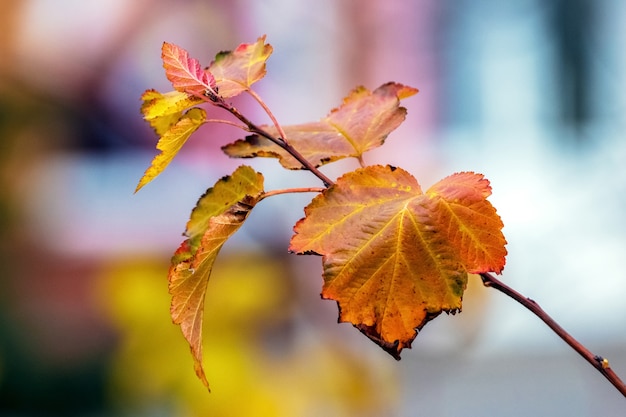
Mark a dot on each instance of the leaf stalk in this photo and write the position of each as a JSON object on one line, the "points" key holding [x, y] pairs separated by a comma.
{"points": [[291, 191], [267, 110]]}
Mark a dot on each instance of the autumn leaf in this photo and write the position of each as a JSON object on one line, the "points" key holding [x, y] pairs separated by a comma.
{"points": [[471, 221], [164, 110], [220, 212], [394, 257], [185, 73], [235, 71], [362, 122], [172, 140]]}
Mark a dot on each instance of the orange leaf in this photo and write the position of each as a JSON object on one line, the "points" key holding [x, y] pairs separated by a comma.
{"points": [[235, 71], [220, 212], [361, 123], [393, 256], [185, 73], [470, 221]]}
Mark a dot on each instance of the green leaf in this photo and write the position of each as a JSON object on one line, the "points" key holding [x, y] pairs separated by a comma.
{"points": [[394, 258], [220, 212], [361, 123], [172, 141]]}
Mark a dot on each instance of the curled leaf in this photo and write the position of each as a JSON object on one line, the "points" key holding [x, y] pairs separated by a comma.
{"points": [[395, 258], [362, 122], [220, 212]]}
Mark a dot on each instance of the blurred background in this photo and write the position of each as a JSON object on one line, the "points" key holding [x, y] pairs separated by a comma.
{"points": [[531, 93]]}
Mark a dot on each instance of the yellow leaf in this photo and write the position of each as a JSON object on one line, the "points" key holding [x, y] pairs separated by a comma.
{"points": [[163, 110], [172, 141], [226, 192]]}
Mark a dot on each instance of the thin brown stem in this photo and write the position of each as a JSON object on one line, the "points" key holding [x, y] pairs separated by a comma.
{"points": [[278, 141], [598, 362], [267, 110], [214, 99], [292, 190], [227, 122]]}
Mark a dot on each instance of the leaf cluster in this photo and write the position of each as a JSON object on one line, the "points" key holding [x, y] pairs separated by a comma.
{"points": [[394, 257]]}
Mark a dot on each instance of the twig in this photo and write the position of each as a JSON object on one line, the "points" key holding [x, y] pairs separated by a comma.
{"points": [[278, 141], [227, 122], [267, 110], [292, 190], [214, 99], [598, 362]]}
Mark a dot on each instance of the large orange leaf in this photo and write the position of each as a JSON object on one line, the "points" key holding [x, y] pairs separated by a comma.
{"points": [[182, 126], [235, 71], [220, 212], [361, 123], [395, 257]]}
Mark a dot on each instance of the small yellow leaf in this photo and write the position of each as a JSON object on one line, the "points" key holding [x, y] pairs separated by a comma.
{"points": [[163, 110], [172, 141]]}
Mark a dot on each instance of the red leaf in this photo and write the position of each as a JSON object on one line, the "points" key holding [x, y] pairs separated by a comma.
{"points": [[185, 73]]}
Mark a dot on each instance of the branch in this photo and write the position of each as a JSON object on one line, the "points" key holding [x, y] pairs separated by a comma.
{"points": [[218, 101], [598, 362], [214, 99]]}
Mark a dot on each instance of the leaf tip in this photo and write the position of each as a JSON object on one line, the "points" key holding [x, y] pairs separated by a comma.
{"points": [[145, 179], [393, 348], [139, 186], [201, 375]]}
